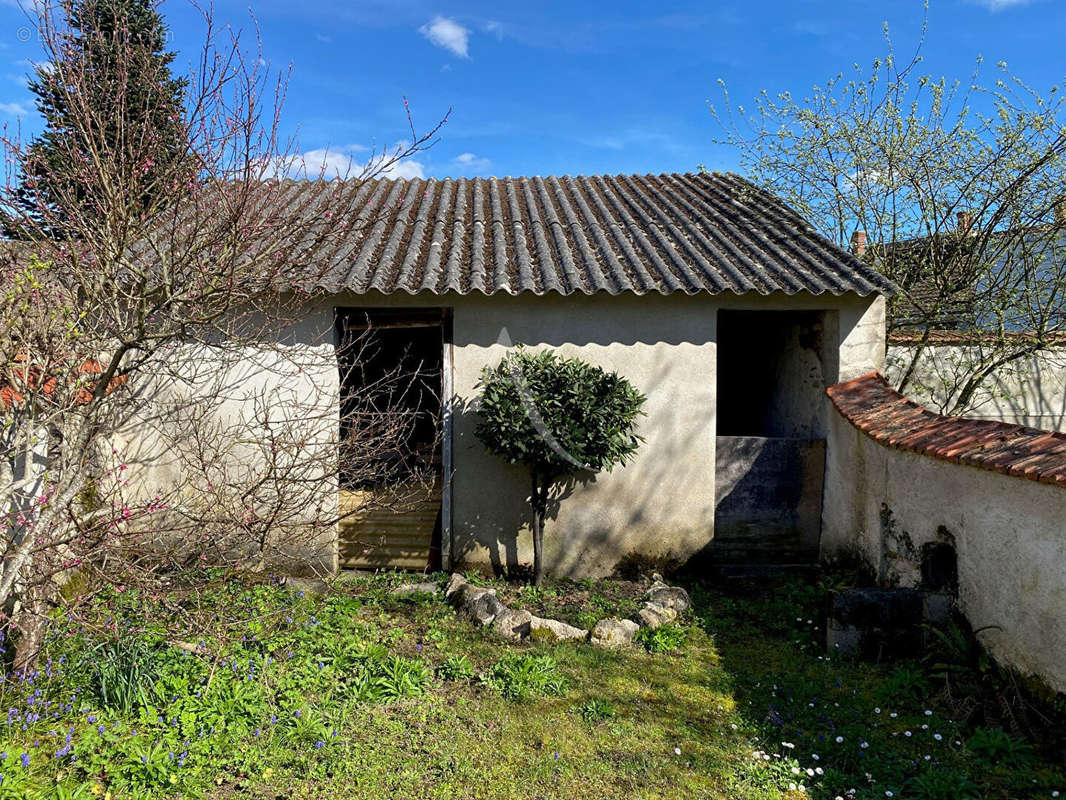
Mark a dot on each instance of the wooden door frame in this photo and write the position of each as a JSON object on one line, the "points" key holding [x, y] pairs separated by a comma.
{"points": [[446, 443], [444, 321]]}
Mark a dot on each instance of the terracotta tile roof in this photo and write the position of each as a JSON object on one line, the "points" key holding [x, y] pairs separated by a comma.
{"points": [[31, 379], [708, 232], [874, 407], [944, 337]]}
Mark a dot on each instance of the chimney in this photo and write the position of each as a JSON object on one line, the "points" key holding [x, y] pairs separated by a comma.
{"points": [[858, 243], [965, 219]]}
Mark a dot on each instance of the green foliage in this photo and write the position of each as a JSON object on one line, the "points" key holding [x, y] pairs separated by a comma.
{"points": [[455, 668], [905, 684], [996, 746], [328, 696], [123, 673], [524, 676], [596, 710], [941, 784], [557, 415], [664, 639]]}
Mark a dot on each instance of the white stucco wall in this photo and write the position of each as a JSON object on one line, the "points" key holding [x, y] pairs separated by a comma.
{"points": [[210, 422], [1009, 534], [1030, 391], [661, 505]]}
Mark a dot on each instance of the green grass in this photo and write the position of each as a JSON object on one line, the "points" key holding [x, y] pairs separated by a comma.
{"points": [[364, 695]]}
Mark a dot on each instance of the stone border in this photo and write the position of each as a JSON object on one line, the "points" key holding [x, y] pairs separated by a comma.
{"points": [[663, 604]]}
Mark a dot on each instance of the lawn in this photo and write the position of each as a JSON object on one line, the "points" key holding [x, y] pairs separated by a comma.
{"points": [[362, 694]]}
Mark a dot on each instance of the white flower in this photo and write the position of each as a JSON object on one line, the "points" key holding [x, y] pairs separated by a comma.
{"points": [[815, 756], [840, 739], [937, 736], [877, 711], [928, 713], [893, 715], [888, 793], [677, 751], [819, 771], [906, 733]]}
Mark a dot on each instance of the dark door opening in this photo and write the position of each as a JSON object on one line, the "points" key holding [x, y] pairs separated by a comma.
{"points": [[391, 365], [770, 447]]}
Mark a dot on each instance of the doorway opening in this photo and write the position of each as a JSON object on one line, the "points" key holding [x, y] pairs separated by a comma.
{"points": [[770, 445], [392, 380]]}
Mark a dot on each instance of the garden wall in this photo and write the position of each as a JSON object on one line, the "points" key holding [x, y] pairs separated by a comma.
{"points": [[901, 479], [1029, 391]]}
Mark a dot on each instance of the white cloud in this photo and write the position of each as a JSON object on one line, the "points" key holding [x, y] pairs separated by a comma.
{"points": [[468, 162], [1000, 5], [14, 109], [449, 34], [341, 163]]}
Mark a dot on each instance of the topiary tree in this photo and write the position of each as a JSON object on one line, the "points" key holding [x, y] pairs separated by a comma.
{"points": [[558, 416]]}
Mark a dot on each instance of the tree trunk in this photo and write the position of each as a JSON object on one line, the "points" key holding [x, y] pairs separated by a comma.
{"points": [[32, 623], [538, 501], [538, 530]]}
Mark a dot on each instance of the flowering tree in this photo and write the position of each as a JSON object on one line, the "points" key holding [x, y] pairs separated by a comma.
{"points": [[126, 342], [953, 190]]}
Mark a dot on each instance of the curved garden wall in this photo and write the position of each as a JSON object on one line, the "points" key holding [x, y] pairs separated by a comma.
{"points": [[901, 480]]}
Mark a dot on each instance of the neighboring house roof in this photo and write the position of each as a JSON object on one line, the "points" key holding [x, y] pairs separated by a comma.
{"points": [[24, 380], [691, 233], [941, 278], [874, 407]]}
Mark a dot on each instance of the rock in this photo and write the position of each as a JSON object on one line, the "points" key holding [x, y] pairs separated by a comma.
{"points": [[673, 597], [875, 623], [655, 616], [560, 629], [414, 589], [464, 594], [483, 606], [512, 625], [612, 633], [307, 585], [454, 583]]}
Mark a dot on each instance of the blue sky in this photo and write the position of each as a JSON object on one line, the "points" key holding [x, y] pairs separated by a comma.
{"points": [[541, 88]]}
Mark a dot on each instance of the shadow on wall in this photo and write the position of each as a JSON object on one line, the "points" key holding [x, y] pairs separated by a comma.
{"points": [[594, 522], [768, 501], [1029, 391]]}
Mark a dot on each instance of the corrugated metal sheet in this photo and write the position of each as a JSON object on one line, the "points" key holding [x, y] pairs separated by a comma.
{"points": [[690, 233]]}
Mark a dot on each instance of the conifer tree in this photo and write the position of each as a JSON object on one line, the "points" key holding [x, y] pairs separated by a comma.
{"points": [[129, 100]]}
